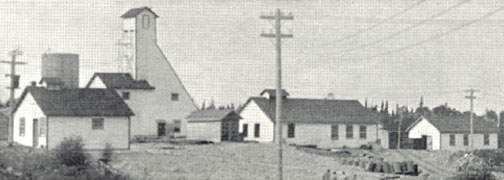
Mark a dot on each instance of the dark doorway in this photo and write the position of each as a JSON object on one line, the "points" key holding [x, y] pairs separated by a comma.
{"points": [[35, 133], [161, 129]]}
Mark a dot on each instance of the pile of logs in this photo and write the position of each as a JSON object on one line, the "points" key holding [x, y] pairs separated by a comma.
{"points": [[381, 166]]}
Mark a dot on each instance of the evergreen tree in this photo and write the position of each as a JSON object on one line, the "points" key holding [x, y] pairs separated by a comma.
{"points": [[421, 102], [381, 107], [386, 107], [212, 105], [203, 105]]}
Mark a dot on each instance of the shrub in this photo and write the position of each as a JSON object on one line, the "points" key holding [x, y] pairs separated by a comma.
{"points": [[71, 152]]}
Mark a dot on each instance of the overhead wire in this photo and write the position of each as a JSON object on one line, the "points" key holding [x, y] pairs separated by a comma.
{"points": [[382, 21], [439, 35], [397, 33]]}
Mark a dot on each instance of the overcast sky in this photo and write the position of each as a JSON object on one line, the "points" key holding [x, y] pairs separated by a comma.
{"points": [[396, 50]]}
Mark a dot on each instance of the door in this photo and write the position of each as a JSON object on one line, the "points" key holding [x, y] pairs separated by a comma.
{"points": [[161, 129], [35, 133], [429, 142]]}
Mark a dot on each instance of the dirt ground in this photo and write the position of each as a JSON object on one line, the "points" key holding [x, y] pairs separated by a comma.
{"points": [[228, 161]]}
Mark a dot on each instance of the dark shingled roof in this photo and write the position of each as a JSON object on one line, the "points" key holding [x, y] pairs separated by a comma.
{"points": [[272, 92], [210, 115], [78, 102], [120, 81], [459, 124], [135, 11], [318, 111], [51, 80]]}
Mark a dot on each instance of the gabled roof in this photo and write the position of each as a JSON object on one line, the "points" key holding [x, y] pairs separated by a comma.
{"points": [[318, 111], [78, 102], [120, 81], [51, 80], [135, 11], [272, 92], [458, 124], [211, 115]]}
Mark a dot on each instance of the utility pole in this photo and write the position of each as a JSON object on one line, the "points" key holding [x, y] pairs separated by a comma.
{"points": [[13, 85], [278, 17], [471, 98]]}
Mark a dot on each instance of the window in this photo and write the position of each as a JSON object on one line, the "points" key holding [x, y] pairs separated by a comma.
{"points": [[466, 139], [176, 125], [486, 139], [362, 132], [245, 130], [125, 95], [257, 128], [334, 132], [43, 124], [145, 21], [349, 131], [97, 123], [452, 139], [22, 126], [174, 97], [291, 128]]}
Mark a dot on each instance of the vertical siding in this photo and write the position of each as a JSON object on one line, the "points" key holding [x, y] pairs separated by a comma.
{"points": [[320, 135], [251, 115], [210, 131], [115, 131], [425, 128], [459, 142], [29, 110]]}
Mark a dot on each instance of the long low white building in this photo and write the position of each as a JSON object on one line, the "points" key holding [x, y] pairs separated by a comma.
{"points": [[453, 133], [324, 123]]}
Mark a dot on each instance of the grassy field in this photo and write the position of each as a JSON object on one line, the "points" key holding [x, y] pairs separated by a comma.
{"points": [[227, 161]]}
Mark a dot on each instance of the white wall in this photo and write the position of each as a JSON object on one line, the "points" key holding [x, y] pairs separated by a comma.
{"points": [[425, 128], [459, 142], [210, 131], [252, 115], [115, 131], [320, 135], [29, 110]]}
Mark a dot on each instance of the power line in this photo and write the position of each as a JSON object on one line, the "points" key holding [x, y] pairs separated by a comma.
{"points": [[382, 22], [397, 33], [437, 36]]}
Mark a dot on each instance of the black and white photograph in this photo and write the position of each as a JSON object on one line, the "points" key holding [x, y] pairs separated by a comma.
{"points": [[251, 90]]}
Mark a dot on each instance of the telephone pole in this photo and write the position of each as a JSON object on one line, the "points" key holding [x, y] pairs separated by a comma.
{"points": [[14, 84], [471, 98], [278, 17]]}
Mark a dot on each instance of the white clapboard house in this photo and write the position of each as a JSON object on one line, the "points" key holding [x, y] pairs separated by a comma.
{"points": [[453, 133], [45, 116], [324, 123]]}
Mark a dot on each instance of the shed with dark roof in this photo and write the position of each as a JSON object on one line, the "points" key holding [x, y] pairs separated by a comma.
{"points": [[213, 125], [134, 12], [45, 117]]}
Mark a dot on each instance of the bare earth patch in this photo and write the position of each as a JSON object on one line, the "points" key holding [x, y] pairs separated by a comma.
{"points": [[227, 161]]}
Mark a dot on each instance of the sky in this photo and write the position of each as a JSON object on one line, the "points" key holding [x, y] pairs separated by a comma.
{"points": [[395, 50]]}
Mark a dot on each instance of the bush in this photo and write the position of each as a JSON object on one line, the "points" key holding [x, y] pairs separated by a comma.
{"points": [[473, 176], [71, 152]]}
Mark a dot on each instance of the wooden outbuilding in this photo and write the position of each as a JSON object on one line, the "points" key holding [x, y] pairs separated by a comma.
{"points": [[213, 125]]}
